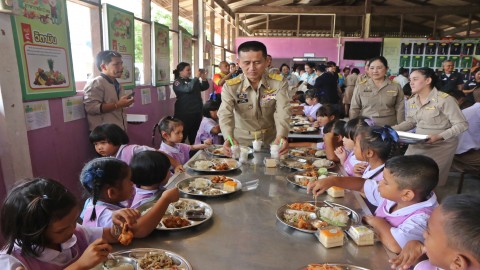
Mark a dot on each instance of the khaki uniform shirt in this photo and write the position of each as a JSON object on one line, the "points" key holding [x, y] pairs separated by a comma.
{"points": [[439, 115], [385, 105], [245, 112], [97, 92]]}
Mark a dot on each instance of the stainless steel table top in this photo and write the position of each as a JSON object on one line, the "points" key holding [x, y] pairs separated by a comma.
{"points": [[245, 234]]}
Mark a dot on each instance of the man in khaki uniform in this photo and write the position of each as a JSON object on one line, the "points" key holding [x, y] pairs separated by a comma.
{"points": [[255, 102], [385, 105]]}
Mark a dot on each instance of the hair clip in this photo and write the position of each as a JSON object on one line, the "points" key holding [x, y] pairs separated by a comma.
{"points": [[44, 197], [386, 133], [369, 122]]}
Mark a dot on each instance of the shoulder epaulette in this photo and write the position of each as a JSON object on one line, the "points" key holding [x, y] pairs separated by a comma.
{"points": [[275, 76], [363, 81], [443, 95], [233, 81]]}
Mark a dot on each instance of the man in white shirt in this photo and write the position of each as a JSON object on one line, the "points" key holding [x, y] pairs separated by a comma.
{"points": [[402, 77], [467, 156]]}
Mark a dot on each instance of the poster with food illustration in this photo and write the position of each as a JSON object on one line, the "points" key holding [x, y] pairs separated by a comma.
{"points": [[187, 46], [119, 36], [161, 57], [43, 49]]}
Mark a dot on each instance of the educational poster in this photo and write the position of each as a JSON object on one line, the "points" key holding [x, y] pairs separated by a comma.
{"points": [[440, 60], [468, 49], [37, 114], [417, 61], [146, 96], [406, 48], [161, 57], [443, 48], [431, 48], [73, 108], [42, 45], [429, 62], [118, 26], [455, 48], [405, 61], [466, 62], [161, 94], [456, 61], [418, 48], [391, 50], [6, 5], [187, 47]]}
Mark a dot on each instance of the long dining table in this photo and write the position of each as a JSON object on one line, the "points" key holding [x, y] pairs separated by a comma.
{"points": [[244, 232]]}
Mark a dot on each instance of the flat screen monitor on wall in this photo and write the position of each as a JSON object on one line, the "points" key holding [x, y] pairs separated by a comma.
{"points": [[359, 50]]}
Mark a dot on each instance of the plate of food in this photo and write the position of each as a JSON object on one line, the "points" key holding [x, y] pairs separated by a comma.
{"points": [[411, 138], [300, 122], [306, 163], [306, 152], [209, 185], [217, 150], [213, 165], [332, 266], [308, 217], [183, 214], [302, 178], [146, 259], [303, 129]]}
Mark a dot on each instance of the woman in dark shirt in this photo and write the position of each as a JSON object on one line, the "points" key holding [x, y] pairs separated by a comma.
{"points": [[189, 104]]}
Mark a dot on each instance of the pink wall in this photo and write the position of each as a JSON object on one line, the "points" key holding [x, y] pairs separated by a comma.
{"points": [[296, 47], [60, 150]]}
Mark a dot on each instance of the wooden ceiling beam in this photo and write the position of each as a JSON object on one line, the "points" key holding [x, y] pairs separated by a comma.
{"points": [[473, 27], [359, 10]]}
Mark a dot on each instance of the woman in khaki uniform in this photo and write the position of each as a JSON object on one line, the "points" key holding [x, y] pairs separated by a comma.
{"points": [[349, 87], [437, 115], [378, 97]]}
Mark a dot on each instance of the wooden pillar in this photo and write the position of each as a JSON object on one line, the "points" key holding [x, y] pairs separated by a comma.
{"points": [[147, 42], [237, 25], [222, 34], [401, 25], [197, 25], [175, 33], [366, 21], [298, 25], [469, 25], [434, 32], [212, 25], [268, 26]]}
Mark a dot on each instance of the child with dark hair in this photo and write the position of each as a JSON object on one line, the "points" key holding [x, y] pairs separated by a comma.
{"points": [[332, 138], [39, 224], [149, 174], [312, 100], [107, 181], [171, 130], [451, 237], [375, 145], [345, 153], [209, 127], [299, 97], [404, 198], [112, 141]]}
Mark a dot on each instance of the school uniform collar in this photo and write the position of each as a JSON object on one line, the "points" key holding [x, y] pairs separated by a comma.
{"points": [[57, 257], [431, 201], [174, 149], [142, 191], [432, 96]]}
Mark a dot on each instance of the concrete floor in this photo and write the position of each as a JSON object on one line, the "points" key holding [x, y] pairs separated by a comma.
{"points": [[471, 185]]}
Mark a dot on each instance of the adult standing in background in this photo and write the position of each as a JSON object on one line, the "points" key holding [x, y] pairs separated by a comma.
{"points": [[472, 85], [189, 104], [402, 77], [378, 97], [104, 97], [308, 78], [450, 80], [292, 79], [437, 115], [349, 86], [220, 78], [255, 104], [467, 155], [364, 76], [326, 84]]}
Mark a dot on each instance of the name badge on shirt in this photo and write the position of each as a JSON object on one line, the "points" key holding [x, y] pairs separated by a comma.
{"points": [[242, 96], [269, 97], [240, 101], [430, 108]]}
